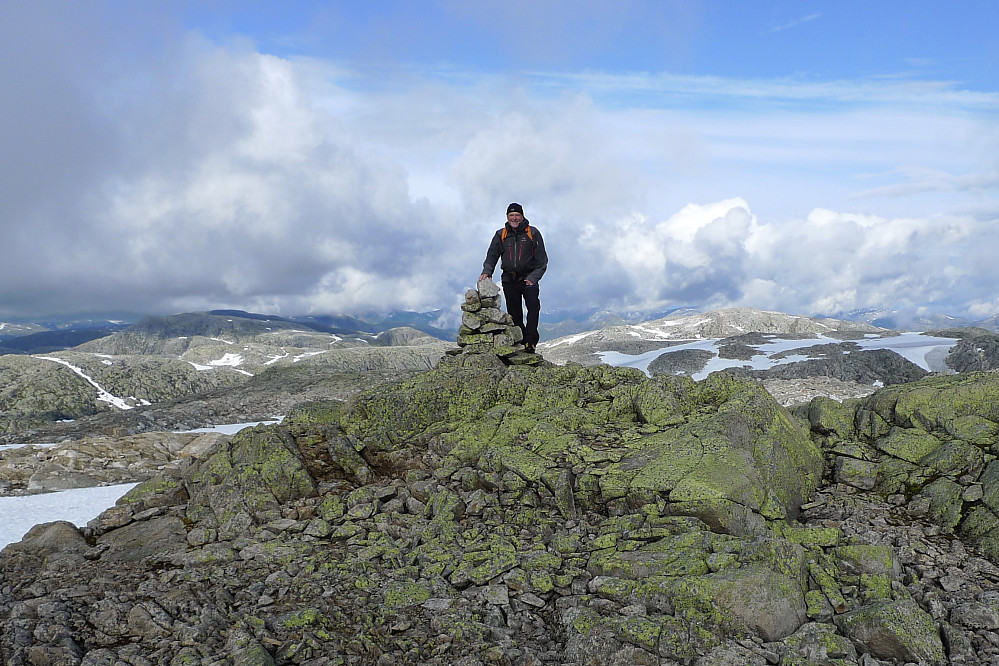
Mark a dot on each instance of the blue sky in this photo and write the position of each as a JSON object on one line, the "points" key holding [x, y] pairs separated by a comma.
{"points": [[826, 40], [808, 157]]}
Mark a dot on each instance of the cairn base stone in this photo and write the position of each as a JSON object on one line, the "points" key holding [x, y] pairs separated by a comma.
{"points": [[485, 328]]}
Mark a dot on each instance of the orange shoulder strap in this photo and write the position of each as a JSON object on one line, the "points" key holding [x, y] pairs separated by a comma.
{"points": [[530, 234]]}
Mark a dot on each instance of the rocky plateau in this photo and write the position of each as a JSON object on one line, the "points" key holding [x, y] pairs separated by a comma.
{"points": [[426, 507]]}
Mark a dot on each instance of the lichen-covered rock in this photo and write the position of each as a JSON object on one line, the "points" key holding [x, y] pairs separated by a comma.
{"points": [[829, 417], [100, 460], [721, 450], [484, 513], [247, 480], [945, 501], [860, 474], [754, 600], [935, 443], [817, 642], [895, 630], [159, 537]]}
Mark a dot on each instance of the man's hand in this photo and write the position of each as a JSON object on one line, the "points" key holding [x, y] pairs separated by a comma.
{"points": [[528, 283], [485, 276]]}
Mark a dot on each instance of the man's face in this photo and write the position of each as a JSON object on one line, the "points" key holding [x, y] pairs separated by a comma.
{"points": [[514, 219]]}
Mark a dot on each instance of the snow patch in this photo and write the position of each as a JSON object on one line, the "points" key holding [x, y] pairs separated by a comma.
{"points": [[570, 339], [102, 394], [229, 360], [45, 445], [274, 358], [78, 506], [231, 428]]}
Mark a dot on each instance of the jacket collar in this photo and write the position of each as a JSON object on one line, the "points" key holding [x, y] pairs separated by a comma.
{"points": [[520, 229]]}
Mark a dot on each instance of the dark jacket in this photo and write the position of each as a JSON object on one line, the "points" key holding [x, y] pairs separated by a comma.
{"points": [[524, 257]]}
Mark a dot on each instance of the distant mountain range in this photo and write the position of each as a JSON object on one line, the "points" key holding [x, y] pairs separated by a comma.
{"points": [[156, 360], [795, 357], [679, 327], [908, 320], [54, 333], [161, 359]]}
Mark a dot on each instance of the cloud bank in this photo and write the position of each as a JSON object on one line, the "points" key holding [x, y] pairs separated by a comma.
{"points": [[193, 174]]}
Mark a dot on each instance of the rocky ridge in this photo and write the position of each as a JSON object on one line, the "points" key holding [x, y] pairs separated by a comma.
{"points": [[98, 460], [131, 369], [482, 513]]}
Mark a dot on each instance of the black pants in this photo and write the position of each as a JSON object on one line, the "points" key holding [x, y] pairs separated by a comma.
{"points": [[531, 294]]}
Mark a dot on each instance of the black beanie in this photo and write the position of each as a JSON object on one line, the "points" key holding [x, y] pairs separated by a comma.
{"points": [[515, 208]]}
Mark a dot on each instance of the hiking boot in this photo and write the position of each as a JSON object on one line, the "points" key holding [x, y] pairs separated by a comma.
{"points": [[529, 347]]}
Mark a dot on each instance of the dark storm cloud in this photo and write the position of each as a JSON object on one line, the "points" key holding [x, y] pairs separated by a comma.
{"points": [[190, 175]]}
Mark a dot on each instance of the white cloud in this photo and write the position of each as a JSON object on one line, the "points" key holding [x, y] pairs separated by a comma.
{"points": [[214, 176], [828, 262]]}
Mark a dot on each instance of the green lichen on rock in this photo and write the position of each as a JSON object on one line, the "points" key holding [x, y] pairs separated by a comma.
{"points": [[909, 444], [753, 600], [247, 480], [319, 412], [404, 594], [830, 417], [640, 631], [945, 503], [868, 559], [955, 458], [721, 449], [898, 630], [817, 642], [974, 429], [935, 401], [935, 442], [161, 490]]}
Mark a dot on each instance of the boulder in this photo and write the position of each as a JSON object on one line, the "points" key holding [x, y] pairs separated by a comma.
{"points": [[157, 537], [898, 630], [58, 542]]}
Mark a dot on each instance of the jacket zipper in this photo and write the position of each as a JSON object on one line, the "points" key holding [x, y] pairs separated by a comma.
{"points": [[516, 252]]}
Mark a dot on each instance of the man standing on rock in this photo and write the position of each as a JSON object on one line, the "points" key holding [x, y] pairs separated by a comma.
{"points": [[524, 262]]}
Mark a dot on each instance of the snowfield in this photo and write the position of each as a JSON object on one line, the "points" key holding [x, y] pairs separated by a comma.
{"points": [[925, 351]]}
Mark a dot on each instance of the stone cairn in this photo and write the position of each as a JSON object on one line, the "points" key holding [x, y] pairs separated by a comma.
{"points": [[485, 329]]}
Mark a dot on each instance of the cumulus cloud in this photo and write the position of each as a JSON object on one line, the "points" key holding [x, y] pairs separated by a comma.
{"points": [[196, 174], [828, 262]]}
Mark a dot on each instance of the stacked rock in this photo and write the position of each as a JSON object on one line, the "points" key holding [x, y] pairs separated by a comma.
{"points": [[485, 329]]}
